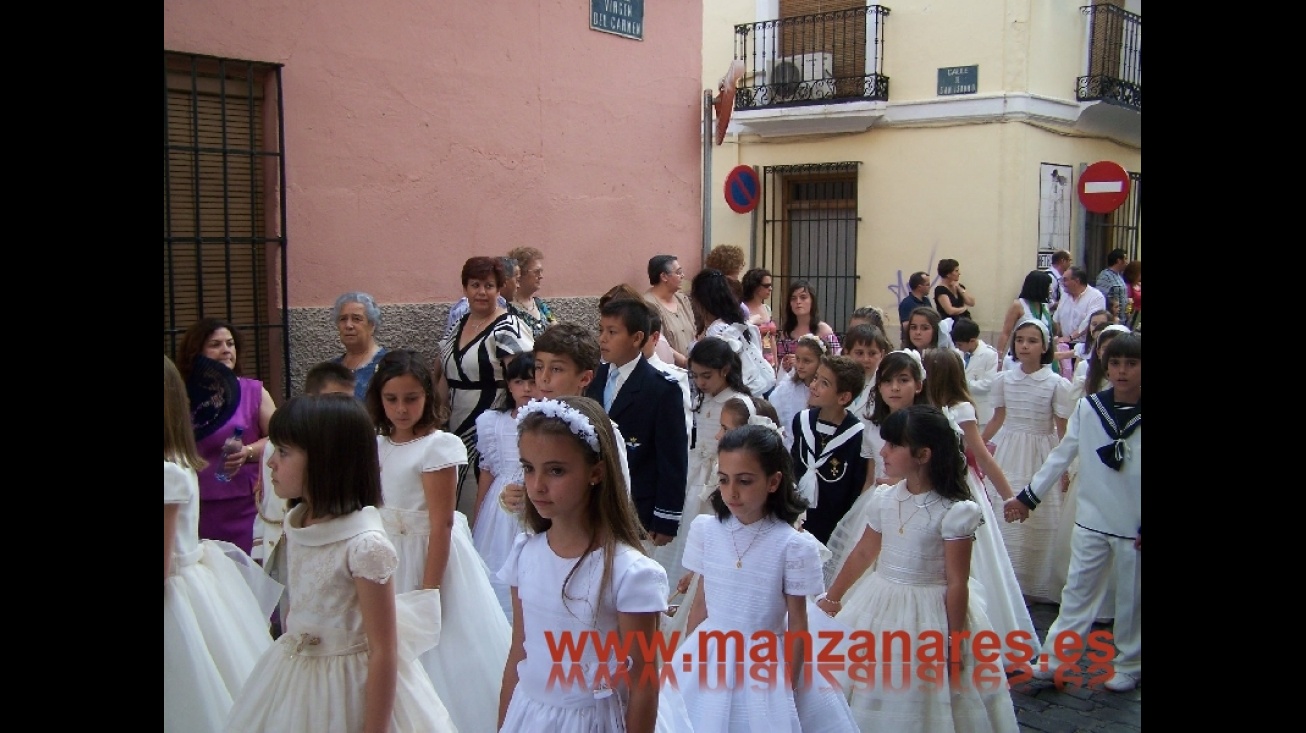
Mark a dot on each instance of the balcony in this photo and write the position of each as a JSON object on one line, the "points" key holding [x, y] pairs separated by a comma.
{"points": [[812, 74], [1115, 58]]}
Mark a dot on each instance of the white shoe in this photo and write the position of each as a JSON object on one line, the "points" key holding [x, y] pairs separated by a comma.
{"points": [[1045, 674], [1121, 682]]}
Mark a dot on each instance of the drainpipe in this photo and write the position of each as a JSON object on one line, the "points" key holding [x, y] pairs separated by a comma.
{"points": [[708, 134]]}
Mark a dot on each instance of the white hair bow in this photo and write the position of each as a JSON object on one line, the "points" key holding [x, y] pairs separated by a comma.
{"points": [[916, 357]]}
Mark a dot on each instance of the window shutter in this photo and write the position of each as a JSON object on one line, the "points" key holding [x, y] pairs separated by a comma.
{"points": [[216, 256]]}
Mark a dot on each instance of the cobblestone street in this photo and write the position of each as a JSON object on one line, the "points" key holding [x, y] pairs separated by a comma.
{"points": [[1040, 706]]}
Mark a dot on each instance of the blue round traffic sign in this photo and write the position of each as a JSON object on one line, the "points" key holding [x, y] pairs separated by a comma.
{"points": [[742, 189]]}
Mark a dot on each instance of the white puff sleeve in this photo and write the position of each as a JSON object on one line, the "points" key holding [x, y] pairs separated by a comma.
{"points": [[643, 587], [693, 557], [802, 556], [442, 451], [487, 439], [962, 412], [1081, 378], [371, 556], [176, 483], [998, 392], [508, 574], [868, 444], [1063, 402], [961, 521], [879, 502]]}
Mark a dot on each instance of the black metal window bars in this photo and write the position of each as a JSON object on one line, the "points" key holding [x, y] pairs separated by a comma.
{"points": [[822, 58], [221, 181], [1115, 57]]}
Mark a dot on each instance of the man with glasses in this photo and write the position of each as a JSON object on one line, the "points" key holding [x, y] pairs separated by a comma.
{"points": [[917, 297], [1078, 304]]}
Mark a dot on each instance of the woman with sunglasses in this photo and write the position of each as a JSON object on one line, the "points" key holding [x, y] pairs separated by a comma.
{"points": [[758, 286]]}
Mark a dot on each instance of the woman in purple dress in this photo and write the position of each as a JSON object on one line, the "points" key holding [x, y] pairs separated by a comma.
{"points": [[219, 405]]}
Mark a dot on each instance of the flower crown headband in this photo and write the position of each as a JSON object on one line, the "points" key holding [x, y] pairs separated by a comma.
{"points": [[812, 338], [574, 419], [756, 419], [916, 357]]}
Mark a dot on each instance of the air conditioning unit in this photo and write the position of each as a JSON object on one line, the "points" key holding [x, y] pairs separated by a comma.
{"points": [[795, 78]]}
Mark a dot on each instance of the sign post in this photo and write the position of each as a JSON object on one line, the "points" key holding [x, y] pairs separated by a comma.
{"points": [[1103, 187]]}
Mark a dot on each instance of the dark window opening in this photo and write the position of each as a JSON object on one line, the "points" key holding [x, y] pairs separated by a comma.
{"points": [[224, 207]]}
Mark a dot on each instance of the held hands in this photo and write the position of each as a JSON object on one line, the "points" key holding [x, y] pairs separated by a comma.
{"points": [[830, 607], [1013, 510], [660, 540], [683, 586], [787, 362], [1065, 482], [513, 498]]}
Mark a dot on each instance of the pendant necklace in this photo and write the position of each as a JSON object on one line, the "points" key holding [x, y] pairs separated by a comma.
{"points": [[481, 324], [903, 523], [739, 556]]}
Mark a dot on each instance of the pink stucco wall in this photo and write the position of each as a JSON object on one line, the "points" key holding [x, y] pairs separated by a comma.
{"points": [[419, 133]]}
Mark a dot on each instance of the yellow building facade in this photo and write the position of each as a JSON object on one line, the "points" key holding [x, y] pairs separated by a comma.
{"points": [[888, 137]]}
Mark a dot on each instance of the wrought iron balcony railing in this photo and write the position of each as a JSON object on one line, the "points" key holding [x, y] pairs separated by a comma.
{"points": [[1115, 57], [823, 58]]}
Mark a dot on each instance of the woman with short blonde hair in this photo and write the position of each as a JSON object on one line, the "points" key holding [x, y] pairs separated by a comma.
{"points": [[524, 304]]}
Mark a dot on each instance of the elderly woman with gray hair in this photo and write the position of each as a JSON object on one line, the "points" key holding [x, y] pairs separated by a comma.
{"points": [[357, 317]]}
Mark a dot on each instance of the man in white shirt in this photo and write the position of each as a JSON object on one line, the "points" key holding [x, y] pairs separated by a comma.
{"points": [[1060, 263], [1078, 304]]}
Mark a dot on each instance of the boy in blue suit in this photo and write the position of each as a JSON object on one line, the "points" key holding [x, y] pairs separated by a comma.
{"points": [[646, 404]]}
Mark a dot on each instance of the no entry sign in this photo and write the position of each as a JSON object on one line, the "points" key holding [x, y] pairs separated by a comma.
{"points": [[742, 189], [1103, 187]]}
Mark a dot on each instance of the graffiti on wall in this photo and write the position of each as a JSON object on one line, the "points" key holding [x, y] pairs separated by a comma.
{"points": [[900, 289]]}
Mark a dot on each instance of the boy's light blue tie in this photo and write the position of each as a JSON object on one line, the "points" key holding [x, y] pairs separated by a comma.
{"points": [[610, 390]]}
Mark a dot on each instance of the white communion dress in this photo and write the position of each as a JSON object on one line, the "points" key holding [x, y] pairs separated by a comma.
{"points": [[496, 528], [313, 679], [990, 565], [907, 593], [748, 570], [1024, 442], [702, 471], [467, 666], [544, 701], [214, 626]]}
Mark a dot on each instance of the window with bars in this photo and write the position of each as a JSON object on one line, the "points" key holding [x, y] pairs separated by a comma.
{"points": [[224, 207], [809, 232], [1122, 228]]}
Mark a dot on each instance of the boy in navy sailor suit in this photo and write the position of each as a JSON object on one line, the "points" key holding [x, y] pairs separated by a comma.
{"points": [[828, 466]]}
